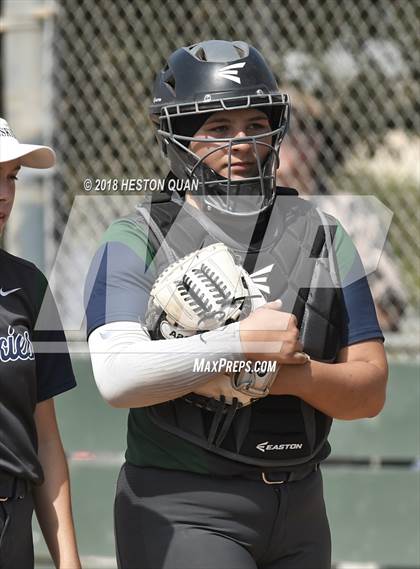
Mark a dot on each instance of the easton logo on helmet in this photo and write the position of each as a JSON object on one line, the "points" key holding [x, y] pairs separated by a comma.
{"points": [[265, 446], [231, 72]]}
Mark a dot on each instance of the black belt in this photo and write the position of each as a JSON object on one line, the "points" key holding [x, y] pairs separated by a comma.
{"points": [[12, 488], [280, 477]]}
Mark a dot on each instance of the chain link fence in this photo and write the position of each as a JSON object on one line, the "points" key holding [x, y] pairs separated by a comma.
{"points": [[349, 66]]}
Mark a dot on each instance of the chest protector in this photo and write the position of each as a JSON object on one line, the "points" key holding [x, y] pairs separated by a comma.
{"points": [[291, 259]]}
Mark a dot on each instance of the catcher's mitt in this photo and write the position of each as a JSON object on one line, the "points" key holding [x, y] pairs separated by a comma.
{"points": [[204, 291]]}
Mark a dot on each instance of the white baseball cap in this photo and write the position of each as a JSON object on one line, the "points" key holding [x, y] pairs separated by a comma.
{"points": [[32, 155]]}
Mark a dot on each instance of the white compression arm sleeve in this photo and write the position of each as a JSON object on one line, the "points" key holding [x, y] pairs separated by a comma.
{"points": [[131, 370]]}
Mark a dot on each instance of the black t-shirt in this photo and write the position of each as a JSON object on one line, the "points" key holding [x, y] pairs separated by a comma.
{"points": [[34, 362]]}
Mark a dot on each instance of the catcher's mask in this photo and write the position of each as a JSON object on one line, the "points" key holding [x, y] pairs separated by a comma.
{"points": [[216, 76]]}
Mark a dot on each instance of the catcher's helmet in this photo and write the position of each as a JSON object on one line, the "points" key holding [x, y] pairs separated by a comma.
{"points": [[217, 76]]}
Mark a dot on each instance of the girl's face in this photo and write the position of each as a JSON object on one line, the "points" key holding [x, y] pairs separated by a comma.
{"points": [[233, 124], [8, 177]]}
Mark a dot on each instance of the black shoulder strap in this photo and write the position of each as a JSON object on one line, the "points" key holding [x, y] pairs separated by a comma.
{"points": [[158, 239]]}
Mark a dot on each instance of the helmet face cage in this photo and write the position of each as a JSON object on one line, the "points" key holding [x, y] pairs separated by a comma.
{"points": [[240, 197]]}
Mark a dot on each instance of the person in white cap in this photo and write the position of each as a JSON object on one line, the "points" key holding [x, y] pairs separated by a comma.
{"points": [[33, 468]]}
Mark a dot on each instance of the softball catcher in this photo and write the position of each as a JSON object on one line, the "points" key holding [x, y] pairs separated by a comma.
{"points": [[222, 466]]}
